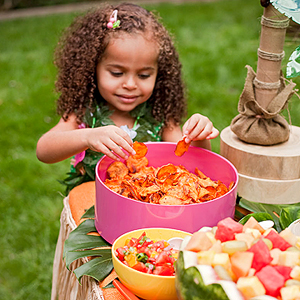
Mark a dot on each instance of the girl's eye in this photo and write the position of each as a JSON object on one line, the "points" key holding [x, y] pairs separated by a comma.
{"points": [[144, 76], [116, 74]]}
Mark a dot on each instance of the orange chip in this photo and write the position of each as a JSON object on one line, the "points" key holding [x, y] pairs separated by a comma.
{"points": [[117, 169], [165, 171], [140, 149], [136, 164], [181, 147]]}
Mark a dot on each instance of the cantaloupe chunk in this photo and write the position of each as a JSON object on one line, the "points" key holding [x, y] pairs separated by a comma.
{"points": [[262, 255], [216, 247], [198, 242], [271, 280], [241, 263], [250, 287], [226, 229], [253, 224]]}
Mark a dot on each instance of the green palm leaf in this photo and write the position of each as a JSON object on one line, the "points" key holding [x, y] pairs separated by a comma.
{"points": [[80, 244]]}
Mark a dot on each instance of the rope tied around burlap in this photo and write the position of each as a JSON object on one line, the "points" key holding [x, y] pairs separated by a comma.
{"points": [[256, 125]]}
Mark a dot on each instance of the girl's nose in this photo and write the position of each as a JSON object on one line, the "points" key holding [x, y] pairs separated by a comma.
{"points": [[129, 83]]}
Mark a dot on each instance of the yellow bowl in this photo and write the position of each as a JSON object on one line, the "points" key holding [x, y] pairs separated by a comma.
{"points": [[146, 286]]}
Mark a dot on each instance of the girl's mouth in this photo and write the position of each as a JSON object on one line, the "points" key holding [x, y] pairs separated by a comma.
{"points": [[127, 98]]}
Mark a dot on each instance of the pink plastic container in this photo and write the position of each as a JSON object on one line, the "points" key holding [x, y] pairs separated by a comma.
{"points": [[116, 215]]}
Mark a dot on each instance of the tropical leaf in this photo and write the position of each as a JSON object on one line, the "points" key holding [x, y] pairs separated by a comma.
{"points": [[259, 216], [82, 244], [98, 268], [282, 214], [90, 213], [74, 255], [289, 215]]}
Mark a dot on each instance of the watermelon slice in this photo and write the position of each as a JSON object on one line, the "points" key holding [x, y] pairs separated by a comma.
{"points": [[271, 280], [285, 271], [262, 256], [227, 228], [278, 241]]}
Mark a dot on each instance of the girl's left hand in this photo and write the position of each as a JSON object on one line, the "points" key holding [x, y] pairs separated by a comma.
{"points": [[199, 127]]}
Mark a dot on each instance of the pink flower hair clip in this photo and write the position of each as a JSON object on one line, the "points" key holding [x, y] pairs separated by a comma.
{"points": [[113, 21]]}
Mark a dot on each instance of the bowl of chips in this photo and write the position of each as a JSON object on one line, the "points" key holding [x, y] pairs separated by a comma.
{"points": [[157, 188]]}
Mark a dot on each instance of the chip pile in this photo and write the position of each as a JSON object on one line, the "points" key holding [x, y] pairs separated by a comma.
{"points": [[166, 185]]}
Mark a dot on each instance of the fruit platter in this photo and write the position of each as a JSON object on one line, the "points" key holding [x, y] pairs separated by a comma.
{"points": [[237, 262]]}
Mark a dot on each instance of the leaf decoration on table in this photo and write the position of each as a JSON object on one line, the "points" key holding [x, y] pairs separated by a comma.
{"points": [[282, 214], [289, 215], [82, 244], [259, 216]]}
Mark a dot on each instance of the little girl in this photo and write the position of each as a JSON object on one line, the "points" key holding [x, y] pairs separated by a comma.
{"points": [[119, 79]]}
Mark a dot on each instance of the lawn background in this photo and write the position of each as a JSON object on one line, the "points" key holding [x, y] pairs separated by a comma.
{"points": [[215, 41]]}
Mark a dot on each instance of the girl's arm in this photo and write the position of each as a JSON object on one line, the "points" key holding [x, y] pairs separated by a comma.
{"points": [[198, 129], [65, 140]]}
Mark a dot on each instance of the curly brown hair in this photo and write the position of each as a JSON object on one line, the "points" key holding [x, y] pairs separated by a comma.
{"points": [[82, 46]]}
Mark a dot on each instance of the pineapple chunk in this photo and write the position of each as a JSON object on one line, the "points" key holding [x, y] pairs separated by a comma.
{"points": [[255, 232], [221, 259], [246, 237], [290, 282], [295, 274], [250, 287], [275, 255], [297, 245], [288, 236], [290, 292], [211, 236], [205, 257], [289, 258]]}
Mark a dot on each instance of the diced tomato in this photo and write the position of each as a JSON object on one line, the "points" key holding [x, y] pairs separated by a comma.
{"points": [[120, 253], [158, 244], [145, 249], [163, 258], [132, 242], [141, 237], [164, 270], [140, 267]]}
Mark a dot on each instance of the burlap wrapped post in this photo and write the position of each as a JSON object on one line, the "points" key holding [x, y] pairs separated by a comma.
{"points": [[256, 125]]}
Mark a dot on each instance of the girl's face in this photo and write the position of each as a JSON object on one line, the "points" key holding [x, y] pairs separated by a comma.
{"points": [[127, 72]]}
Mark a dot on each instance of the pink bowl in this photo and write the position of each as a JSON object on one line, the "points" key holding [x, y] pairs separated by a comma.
{"points": [[116, 214]]}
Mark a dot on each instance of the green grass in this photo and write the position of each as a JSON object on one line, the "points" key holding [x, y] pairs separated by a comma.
{"points": [[215, 41]]}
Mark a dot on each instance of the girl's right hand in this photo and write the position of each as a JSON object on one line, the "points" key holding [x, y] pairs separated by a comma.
{"points": [[110, 140]]}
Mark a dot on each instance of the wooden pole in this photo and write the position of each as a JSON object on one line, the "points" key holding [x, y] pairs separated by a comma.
{"points": [[270, 55]]}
